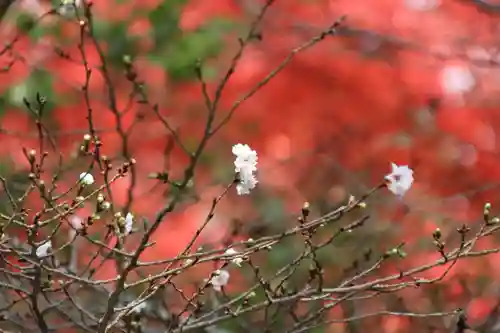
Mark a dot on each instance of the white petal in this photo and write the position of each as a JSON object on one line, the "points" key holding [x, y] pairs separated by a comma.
{"points": [[43, 249], [245, 164], [129, 222], [400, 179], [220, 279], [230, 251], [457, 79], [86, 178]]}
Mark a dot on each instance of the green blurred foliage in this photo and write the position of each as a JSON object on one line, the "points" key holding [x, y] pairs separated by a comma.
{"points": [[181, 52], [175, 50], [165, 21], [39, 81], [117, 40]]}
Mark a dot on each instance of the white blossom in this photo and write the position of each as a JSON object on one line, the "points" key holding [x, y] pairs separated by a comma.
{"points": [[43, 250], [129, 222], [237, 260], [400, 179], [219, 279], [86, 178], [457, 79], [245, 165]]}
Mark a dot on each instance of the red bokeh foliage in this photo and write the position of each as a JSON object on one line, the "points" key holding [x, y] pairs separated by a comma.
{"points": [[359, 98]]}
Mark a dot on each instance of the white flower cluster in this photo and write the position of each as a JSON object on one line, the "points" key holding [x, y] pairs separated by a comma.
{"points": [[400, 180], [245, 165]]}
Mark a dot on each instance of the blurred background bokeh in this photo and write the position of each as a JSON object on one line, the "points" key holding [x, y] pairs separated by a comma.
{"points": [[415, 82]]}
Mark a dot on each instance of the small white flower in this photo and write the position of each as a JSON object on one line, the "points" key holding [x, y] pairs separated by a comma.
{"points": [[230, 252], [400, 179], [129, 222], [245, 165], [43, 250], [237, 260], [219, 279], [86, 178], [457, 79]]}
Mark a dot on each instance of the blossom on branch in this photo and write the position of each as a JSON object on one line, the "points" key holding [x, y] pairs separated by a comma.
{"points": [[400, 180], [237, 260], [86, 178], [43, 250], [457, 79], [129, 222], [219, 279], [245, 166]]}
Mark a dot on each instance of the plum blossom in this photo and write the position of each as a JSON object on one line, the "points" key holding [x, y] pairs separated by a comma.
{"points": [[219, 279], [86, 178], [129, 222], [43, 250], [399, 180], [456, 79], [237, 260], [245, 165]]}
